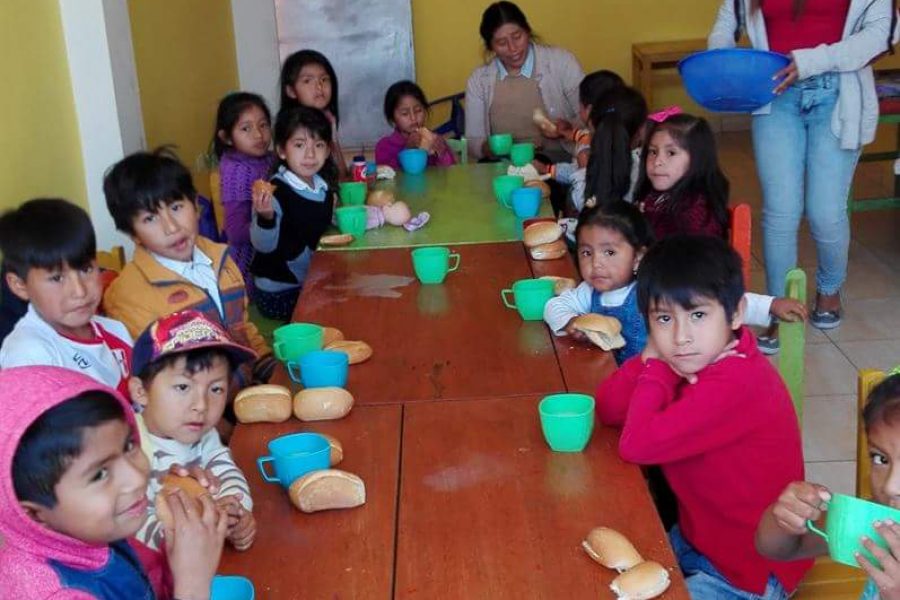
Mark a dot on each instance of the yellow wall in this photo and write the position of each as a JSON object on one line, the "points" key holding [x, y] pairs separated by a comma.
{"points": [[41, 152], [185, 58]]}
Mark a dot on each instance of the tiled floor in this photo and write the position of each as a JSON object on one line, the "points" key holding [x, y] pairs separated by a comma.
{"points": [[870, 334]]}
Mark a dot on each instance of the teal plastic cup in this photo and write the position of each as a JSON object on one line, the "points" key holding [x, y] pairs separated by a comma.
{"points": [[504, 185], [848, 520], [567, 421], [231, 587], [500, 143], [529, 297], [296, 339], [293, 456], [526, 202], [521, 154], [432, 264], [352, 220], [353, 193]]}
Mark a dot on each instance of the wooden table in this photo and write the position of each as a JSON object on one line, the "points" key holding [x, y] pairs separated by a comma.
{"points": [[450, 341], [332, 554], [647, 57], [488, 511], [460, 200]]}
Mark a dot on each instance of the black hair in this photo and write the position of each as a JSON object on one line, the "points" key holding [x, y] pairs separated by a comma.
{"points": [[883, 404], [682, 268], [397, 92], [313, 120], [704, 177], [496, 16], [595, 85], [46, 233], [293, 64], [199, 359], [617, 117], [231, 107], [619, 216], [54, 440], [144, 181]]}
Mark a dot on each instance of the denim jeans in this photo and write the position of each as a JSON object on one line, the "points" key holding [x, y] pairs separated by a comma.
{"points": [[704, 582], [803, 170]]}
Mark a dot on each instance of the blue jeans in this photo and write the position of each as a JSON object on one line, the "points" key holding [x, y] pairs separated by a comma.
{"points": [[803, 170], [704, 582]]}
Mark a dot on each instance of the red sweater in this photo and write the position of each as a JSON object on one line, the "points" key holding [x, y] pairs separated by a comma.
{"points": [[694, 218], [821, 22], [728, 445]]}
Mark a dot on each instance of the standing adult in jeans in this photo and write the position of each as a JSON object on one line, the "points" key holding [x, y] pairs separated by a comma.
{"points": [[807, 141]]}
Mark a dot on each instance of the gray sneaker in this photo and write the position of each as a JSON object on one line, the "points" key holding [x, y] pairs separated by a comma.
{"points": [[768, 345]]}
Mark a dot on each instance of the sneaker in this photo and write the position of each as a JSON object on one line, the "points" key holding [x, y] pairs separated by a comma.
{"points": [[825, 319], [768, 344]]}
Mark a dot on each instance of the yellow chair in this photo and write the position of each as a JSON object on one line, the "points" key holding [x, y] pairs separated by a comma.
{"points": [[114, 260], [215, 191]]}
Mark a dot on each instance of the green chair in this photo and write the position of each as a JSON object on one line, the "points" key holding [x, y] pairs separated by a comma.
{"points": [[460, 148], [793, 342]]}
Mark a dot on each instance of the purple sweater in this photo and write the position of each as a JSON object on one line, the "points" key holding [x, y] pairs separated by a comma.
{"points": [[388, 147], [237, 172]]}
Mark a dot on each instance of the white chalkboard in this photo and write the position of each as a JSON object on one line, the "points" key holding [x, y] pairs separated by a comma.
{"points": [[368, 42]]}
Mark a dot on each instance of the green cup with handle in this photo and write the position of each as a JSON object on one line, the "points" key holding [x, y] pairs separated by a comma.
{"points": [[292, 341], [433, 263], [529, 297], [848, 520]]}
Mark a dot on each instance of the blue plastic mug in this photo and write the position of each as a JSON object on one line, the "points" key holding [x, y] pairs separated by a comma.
{"points": [[320, 368], [295, 455], [231, 587], [525, 202]]}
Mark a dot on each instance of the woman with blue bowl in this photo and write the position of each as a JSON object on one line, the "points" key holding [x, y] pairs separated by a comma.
{"points": [[520, 76], [808, 140]]}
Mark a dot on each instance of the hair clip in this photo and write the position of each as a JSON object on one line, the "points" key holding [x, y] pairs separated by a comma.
{"points": [[894, 371], [664, 114]]}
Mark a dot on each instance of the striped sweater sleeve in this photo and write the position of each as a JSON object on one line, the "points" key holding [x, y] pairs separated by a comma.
{"points": [[216, 458]]}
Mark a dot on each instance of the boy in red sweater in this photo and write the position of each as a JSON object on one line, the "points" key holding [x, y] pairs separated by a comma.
{"points": [[705, 405]]}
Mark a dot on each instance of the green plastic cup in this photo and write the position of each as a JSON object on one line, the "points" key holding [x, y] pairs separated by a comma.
{"points": [[353, 193], [432, 264], [529, 297], [352, 220], [500, 143], [504, 185], [521, 154], [848, 520], [296, 339], [567, 421]]}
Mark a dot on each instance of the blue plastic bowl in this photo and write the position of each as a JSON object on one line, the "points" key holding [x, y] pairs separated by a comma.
{"points": [[413, 160], [231, 587], [731, 79]]}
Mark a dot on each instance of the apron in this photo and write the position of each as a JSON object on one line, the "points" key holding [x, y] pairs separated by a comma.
{"points": [[512, 108]]}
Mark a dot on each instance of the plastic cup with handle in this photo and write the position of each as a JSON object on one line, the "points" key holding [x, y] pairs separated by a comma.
{"points": [[567, 421], [352, 220], [320, 368], [433, 263], [529, 297], [296, 339], [353, 193], [504, 186], [848, 520], [293, 456]]}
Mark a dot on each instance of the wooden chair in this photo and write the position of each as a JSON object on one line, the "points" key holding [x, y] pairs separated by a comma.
{"points": [[215, 192], [114, 260], [793, 342], [739, 237]]}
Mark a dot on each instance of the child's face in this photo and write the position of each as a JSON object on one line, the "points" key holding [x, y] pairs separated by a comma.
{"points": [[312, 87], [64, 297], [304, 154], [409, 115], [605, 258], [667, 162], [101, 497], [690, 339], [171, 231], [884, 449], [180, 405], [252, 134]]}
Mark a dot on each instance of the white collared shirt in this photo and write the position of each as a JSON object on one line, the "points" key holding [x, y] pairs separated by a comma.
{"points": [[199, 271], [527, 69], [300, 186]]}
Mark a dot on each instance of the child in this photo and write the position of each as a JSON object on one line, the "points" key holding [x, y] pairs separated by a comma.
{"points": [[288, 223], [50, 252], [151, 198], [241, 142], [706, 406], [182, 366], [782, 532], [308, 79], [406, 108], [593, 87], [72, 495]]}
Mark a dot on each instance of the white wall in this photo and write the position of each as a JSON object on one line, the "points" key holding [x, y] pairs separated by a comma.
{"points": [[256, 43]]}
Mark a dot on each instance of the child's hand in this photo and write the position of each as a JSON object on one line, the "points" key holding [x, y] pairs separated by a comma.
{"points": [[204, 477], [232, 507], [728, 351], [887, 578], [564, 128], [244, 533], [540, 166], [574, 333], [262, 203], [800, 501], [789, 309], [414, 139], [194, 544]]}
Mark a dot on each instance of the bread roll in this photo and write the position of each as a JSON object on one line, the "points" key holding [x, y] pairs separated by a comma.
{"points": [[337, 239], [543, 232], [601, 330], [322, 404], [327, 490], [551, 251], [426, 138], [263, 404], [646, 580], [561, 284], [356, 351], [331, 335], [261, 185], [380, 198], [397, 213], [171, 483], [611, 549], [337, 451], [541, 185], [541, 119]]}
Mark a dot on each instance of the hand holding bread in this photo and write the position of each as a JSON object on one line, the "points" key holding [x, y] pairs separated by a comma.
{"points": [[262, 194], [602, 331]]}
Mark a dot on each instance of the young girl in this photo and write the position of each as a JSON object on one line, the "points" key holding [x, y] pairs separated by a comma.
{"points": [[611, 242], [682, 188], [782, 533], [288, 223], [406, 108], [241, 142], [308, 79]]}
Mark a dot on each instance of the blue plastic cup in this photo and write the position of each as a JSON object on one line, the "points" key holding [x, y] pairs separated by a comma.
{"points": [[295, 455], [320, 368], [413, 160], [525, 201], [231, 587]]}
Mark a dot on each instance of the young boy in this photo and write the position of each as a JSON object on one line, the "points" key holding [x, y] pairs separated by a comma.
{"points": [[50, 252], [152, 199], [706, 406], [182, 366], [72, 493]]}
